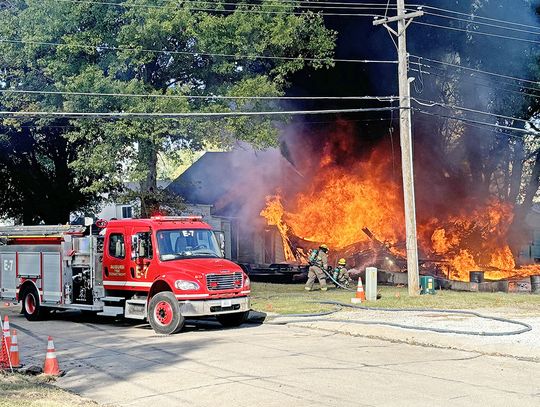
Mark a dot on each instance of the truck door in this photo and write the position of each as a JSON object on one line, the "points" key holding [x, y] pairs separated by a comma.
{"points": [[142, 257], [115, 258], [8, 275]]}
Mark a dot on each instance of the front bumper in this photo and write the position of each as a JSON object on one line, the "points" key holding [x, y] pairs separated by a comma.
{"points": [[197, 308]]}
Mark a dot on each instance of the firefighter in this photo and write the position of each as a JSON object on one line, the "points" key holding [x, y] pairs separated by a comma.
{"points": [[318, 263], [341, 274]]}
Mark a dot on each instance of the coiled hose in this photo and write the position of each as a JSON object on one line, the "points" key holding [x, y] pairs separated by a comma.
{"points": [[340, 305]]}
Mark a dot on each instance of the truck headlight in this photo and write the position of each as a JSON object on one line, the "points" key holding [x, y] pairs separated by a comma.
{"points": [[186, 285], [247, 281]]}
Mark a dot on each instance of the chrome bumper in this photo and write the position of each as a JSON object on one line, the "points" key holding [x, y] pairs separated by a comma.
{"points": [[194, 308]]}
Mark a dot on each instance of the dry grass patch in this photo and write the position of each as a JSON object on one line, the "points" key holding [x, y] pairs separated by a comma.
{"points": [[25, 391]]}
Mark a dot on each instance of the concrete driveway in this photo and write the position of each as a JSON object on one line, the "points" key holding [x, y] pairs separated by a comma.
{"points": [[123, 363]]}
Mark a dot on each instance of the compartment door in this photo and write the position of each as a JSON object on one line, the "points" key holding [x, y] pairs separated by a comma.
{"points": [[8, 275], [52, 277]]}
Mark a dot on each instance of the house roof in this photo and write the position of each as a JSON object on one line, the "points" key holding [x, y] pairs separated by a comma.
{"points": [[227, 179]]}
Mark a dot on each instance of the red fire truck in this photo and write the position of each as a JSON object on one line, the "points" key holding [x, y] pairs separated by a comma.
{"points": [[163, 269]]}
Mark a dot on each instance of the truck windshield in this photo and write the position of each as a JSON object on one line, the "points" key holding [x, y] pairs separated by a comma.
{"points": [[187, 243]]}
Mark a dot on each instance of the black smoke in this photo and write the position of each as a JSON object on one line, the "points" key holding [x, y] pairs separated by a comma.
{"points": [[448, 172]]}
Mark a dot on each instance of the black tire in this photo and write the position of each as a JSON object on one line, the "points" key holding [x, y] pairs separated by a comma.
{"points": [[232, 320], [164, 314], [31, 307]]}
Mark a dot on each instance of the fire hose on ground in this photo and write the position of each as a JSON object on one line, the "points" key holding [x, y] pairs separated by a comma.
{"points": [[300, 318]]}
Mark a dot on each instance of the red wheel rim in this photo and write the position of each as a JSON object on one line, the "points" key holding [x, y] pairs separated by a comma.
{"points": [[30, 303], [163, 313]]}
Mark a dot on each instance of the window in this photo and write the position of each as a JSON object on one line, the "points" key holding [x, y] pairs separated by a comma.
{"points": [[146, 242], [127, 212], [117, 248], [183, 243]]}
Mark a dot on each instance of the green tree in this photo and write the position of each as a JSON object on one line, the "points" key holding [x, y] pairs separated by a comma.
{"points": [[177, 52]]}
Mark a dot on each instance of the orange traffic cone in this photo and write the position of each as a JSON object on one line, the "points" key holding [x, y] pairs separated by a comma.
{"points": [[5, 362], [6, 332], [14, 350], [360, 296], [51, 363], [4, 356]]}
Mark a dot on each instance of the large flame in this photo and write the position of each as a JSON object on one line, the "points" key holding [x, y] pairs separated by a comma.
{"points": [[474, 239], [273, 213], [339, 201]]}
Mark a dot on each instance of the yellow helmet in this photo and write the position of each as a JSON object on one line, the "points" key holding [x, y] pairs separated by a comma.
{"points": [[323, 247], [342, 262]]}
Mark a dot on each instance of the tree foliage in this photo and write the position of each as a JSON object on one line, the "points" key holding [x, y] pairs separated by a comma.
{"points": [[177, 52]]}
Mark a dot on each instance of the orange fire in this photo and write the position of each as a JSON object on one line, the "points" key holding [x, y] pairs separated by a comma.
{"points": [[474, 239], [273, 213], [341, 200]]}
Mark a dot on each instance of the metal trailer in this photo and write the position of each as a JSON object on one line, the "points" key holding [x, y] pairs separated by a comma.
{"points": [[51, 267]]}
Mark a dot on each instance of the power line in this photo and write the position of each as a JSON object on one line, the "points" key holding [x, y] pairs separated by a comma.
{"points": [[480, 127], [180, 115], [477, 16], [431, 103], [478, 80], [282, 4], [218, 97], [315, 5], [519, 89], [381, 119], [482, 23], [111, 48], [477, 32], [215, 10], [486, 85], [498, 126], [465, 68]]}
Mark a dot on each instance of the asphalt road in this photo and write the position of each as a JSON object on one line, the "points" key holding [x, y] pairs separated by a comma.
{"points": [[126, 364]]}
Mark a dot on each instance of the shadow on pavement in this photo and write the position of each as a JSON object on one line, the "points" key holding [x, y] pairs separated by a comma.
{"points": [[199, 324]]}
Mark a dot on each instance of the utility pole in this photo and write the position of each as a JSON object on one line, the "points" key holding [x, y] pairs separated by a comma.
{"points": [[403, 20]]}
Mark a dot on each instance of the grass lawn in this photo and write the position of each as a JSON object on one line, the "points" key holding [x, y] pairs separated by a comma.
{"points": [[292, 298], [25, 391]]}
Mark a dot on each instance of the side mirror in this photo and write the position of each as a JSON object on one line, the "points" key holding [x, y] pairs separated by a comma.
{"points": [[135, 244], [221, 240]]}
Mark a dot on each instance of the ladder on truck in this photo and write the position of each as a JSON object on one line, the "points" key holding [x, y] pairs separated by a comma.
{"points": [[13, 232]]}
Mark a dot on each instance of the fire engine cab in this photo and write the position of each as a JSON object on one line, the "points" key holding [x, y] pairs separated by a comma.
{"points": [[163, 269]]}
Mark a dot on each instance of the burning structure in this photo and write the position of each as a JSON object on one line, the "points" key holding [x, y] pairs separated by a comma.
{"points": [[355, 206], [333, 190]]}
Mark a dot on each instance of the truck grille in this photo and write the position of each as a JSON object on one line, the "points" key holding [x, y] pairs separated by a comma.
{"points": [[224, 281]]}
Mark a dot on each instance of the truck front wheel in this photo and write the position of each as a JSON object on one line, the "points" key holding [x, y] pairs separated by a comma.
{"points": [[230, 320], [164, 314]]}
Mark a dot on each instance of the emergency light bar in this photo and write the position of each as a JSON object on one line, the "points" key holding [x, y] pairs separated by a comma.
{"points": [[177, 218]]}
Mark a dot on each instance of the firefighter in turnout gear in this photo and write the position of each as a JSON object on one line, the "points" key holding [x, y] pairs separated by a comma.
{"points": [[341, 274], [318, 263]]}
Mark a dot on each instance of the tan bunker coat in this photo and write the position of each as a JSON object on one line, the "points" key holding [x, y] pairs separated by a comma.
{"points": [[316, 271]]}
